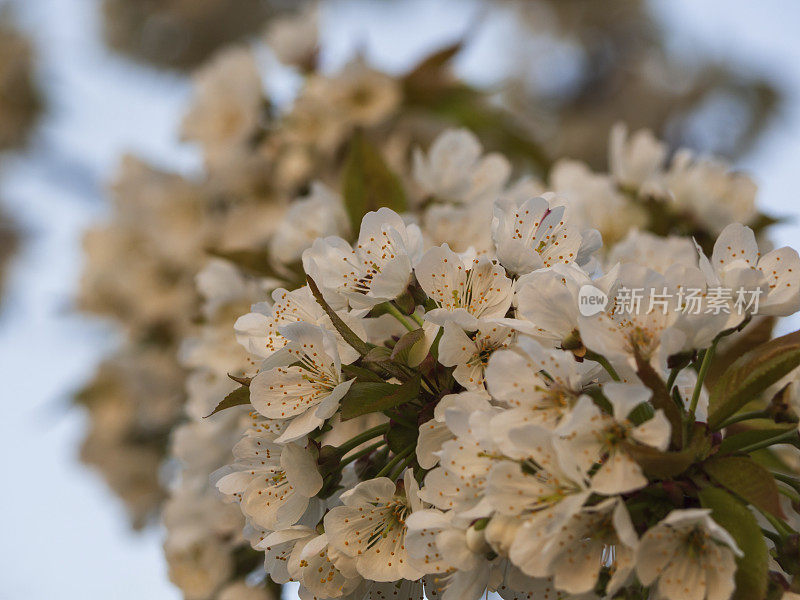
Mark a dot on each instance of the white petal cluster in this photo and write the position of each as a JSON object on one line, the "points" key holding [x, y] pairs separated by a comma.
{"points": [[522, 460], [441, 418], [377, 269]]}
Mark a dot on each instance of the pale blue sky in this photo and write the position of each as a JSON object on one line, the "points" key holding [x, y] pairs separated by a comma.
{"points": [[64, 536]]}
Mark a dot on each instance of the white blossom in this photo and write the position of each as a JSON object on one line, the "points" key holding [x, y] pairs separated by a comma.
{"points": [[469, 351], [654, 252], [294, 38], [736, 263], [537, 385], [320, 214], [274, 482], [465, 289], [301, 383], [687, 555], [376, 270], [456, 556], [636, 160], [542, 487], [461, 227], [596, 536], [227, 105], [371, 528], [636, 323], [458, 483], [708, 190], [259, 331], [547, 301], [593, 200], [324, 571], [595, 438], [535, 233], [434, 433], [454, 170]]}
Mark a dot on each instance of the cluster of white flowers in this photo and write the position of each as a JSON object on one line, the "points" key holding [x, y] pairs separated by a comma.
{"points": [[434, 413], [204, 535], [428, 419], [143, 261]]}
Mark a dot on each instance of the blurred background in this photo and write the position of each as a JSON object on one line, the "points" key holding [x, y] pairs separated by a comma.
{"points": [[83, 82]]}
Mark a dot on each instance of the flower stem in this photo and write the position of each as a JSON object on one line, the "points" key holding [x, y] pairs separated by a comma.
{"points": [[745, 416], [782, 528], [402, 466], [428, 385], [784, 437], [395, 312], [363, 437], [772, 535], [396, 416], [360, 453], [792, 482], [791, 494], [673, 375], [418, 319], [708, 355], [603, 361], [384, 472]]}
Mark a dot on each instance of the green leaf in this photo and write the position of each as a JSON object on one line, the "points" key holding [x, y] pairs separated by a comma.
{"points": [[661, 398], [368, 182], [368, 397], [360, 373], [240, 379], [755, 333], [257, 262], [237, 397], [431, 80], [599, 398], [666, 465], [381, 358], [399, 438], [348, 335], [429, 71], [753, 568], [751, 374], [378, 355], [748, 480], [764, 431], [660, 465], [640, 414], [403, 348], [767, 458]]}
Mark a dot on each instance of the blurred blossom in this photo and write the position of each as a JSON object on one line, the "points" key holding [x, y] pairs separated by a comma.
{"points": [[179, 258], [20, 105], [183, 33]]}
